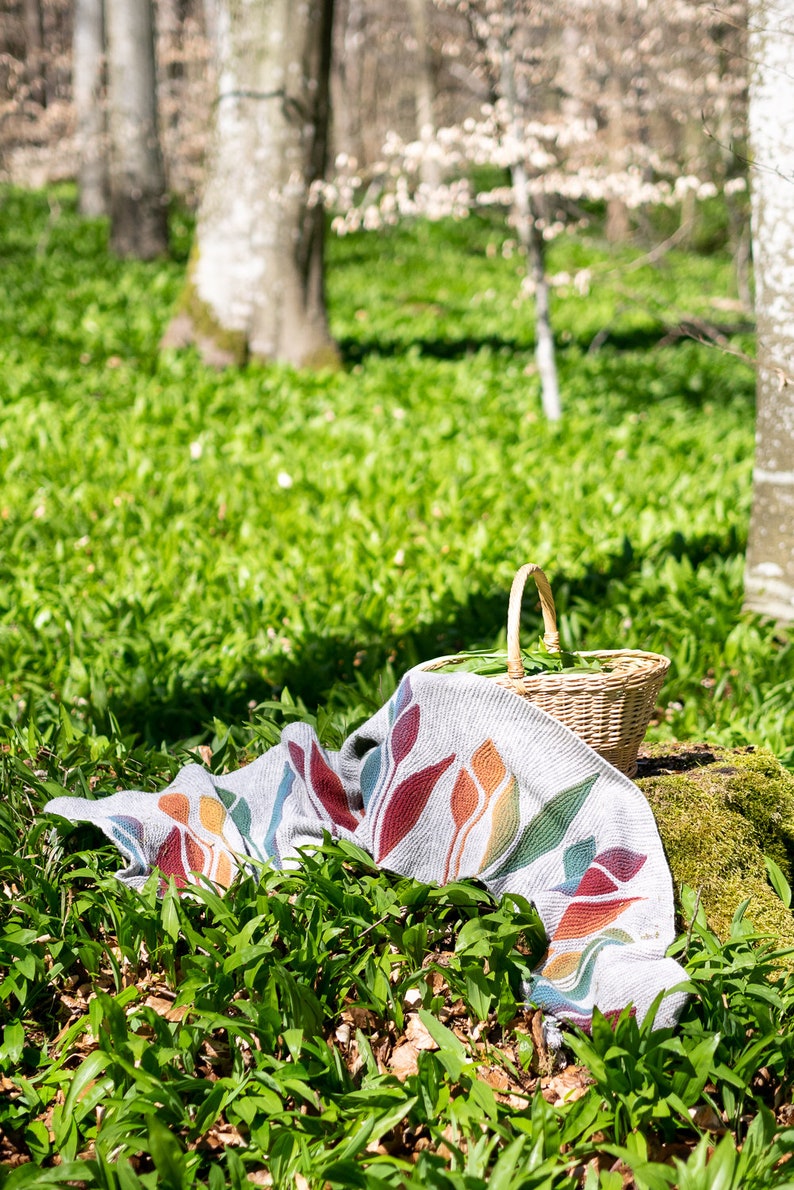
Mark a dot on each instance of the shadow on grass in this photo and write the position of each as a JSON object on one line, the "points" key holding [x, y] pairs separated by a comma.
{"points": [[318, 665], [355, 350]]}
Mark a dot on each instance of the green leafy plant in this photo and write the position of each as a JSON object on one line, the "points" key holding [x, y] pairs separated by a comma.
{"points": [[191, 560]]}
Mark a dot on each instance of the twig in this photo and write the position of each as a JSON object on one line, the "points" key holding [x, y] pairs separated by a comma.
{"points": [[660, 250], [44, 239], [692, 924]]}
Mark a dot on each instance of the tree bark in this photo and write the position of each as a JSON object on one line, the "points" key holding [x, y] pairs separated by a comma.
{"points": [[255, 284], [137, 180], [527, 229], [35, 67], [88, 62], [769, 577], [424, 90]]}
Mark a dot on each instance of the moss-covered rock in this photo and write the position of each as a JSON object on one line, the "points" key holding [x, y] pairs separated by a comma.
{"points": [[719, 812]]}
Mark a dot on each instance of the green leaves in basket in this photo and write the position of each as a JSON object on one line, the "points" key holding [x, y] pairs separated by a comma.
{"points": [[535, 661]]}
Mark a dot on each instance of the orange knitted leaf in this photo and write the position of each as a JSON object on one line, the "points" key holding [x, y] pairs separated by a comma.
{"points": [[464, 798], [176, 806], [580, 920], [488, 768]]}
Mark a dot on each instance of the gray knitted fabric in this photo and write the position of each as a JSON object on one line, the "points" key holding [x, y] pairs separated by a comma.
{"points": [[455, 777]]}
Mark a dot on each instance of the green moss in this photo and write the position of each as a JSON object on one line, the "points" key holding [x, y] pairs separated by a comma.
{"points": [[719, 812], [213, 340], [324, 359]]}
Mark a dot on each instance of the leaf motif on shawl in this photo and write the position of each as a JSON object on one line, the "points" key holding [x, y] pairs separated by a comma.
{"points": [[239, 811], [401, 699], [212, 814], [504, 824], [169, 858], [196, 859], [128, 832], [595, 883], [406, 803], [547, 829], [298, 758], [270, 846], [175, 805], [330, 790], [578, 858], [579, 919], [488, 767], [622, 863], [464, 799], [404, 733], [370, 774]]}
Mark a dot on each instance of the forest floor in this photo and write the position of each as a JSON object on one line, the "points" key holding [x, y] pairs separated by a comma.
{"points": [[190, 559]]}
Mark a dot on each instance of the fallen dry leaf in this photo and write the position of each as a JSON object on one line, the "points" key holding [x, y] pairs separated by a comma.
{"points": [[418, 1034], [566, 1087], [165, 1007], [404, 1061], [704, 1116]]}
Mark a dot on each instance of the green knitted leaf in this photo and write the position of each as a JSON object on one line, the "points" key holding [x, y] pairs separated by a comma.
{"points": [[547, 829]]}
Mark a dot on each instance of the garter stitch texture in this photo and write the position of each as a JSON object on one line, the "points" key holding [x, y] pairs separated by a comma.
{"points": [[454, 777]]}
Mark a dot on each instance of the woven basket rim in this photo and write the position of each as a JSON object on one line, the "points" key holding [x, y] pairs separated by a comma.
{"points": [[647, 663]]}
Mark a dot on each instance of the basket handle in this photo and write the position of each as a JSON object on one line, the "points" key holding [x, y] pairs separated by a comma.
{"points": [[551, 637]]}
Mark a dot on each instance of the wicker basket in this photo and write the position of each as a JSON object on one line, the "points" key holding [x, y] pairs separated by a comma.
{"points": [[609, 708]]}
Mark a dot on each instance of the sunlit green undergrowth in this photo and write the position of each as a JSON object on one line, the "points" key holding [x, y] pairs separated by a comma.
{"points": [[177, 543], [200, 1041], [178, 546]]}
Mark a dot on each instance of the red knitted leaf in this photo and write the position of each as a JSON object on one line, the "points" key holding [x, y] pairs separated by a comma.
{"points": [[595, 883], [404, 733], [298, 758], [330, 790], [406, 803], [621, 862], [169, 858]]}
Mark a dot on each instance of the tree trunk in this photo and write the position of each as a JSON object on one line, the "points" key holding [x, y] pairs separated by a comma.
{"points": [[618, 226], [137, 181], [424, 90], [88, 60], [769, 578], [545, 355], [527, 229], [35, 69], [255, 283]]}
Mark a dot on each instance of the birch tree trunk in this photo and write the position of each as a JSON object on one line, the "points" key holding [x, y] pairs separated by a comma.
{"points": [[528, 233], [137, 179], [769, 577], [255, 282], [424, 90], [88, 62]]}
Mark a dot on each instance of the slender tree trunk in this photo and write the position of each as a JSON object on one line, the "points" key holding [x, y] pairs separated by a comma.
{"points": [[545, 355], [255, 282], [88, 63], [617, 226], [137, 181], [424, 89], [528, 234], [769, 578]]}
